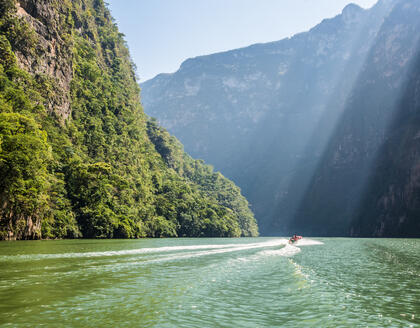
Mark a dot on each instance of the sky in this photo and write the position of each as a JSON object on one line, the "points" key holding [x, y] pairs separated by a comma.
{"points": [[161, 34]]}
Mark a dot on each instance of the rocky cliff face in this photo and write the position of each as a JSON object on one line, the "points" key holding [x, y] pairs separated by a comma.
{"points": [[78, 156], [366, 182], [266, 114], [53, 49]]}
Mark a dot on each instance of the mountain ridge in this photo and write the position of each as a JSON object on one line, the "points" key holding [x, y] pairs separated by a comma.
{"points": [[349, 9], [264, 114]]}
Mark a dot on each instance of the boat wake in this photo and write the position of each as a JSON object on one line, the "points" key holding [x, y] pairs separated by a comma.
{"points": [[287, 251], [309, 242], [290, 250], [181, 252]]}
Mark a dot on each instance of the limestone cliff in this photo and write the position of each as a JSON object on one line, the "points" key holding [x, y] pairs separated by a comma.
{"points": [[78, 156], [264, 114]]}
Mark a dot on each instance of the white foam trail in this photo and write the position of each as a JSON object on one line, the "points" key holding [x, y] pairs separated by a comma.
{"points": [[189, 255], [228, 247], [236, 248], [286, 251], [308, 242], [241, 247], [210, 249], [290, 250]]}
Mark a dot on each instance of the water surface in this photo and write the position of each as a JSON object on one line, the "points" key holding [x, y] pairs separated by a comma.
{"points": [[252, 282]]}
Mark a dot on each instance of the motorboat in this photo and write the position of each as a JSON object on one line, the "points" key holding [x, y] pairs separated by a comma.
{"points": [[294, 239]]}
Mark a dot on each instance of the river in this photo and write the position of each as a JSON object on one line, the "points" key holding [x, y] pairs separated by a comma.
{"points": [[250, 282]]}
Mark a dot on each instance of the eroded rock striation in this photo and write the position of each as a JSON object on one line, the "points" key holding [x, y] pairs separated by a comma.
{"points": [[302, 124]]}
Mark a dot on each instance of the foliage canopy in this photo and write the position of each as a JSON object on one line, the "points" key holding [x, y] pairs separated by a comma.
{"points": [[108, 171]]}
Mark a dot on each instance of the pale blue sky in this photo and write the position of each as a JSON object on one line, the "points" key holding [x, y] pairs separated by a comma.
{"points": [[161, 34]]}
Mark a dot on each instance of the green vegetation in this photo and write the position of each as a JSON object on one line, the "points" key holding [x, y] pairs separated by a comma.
{"points": [[107, 171], [213, 185]]}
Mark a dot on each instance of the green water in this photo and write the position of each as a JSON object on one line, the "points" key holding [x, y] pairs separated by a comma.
{"points": [[259, 282]]}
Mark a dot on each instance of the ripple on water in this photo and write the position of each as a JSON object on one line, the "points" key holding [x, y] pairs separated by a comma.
{"points": [[213, 283]]}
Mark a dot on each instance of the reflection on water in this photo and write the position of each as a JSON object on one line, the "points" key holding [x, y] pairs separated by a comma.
{"points": [[255, 282]]}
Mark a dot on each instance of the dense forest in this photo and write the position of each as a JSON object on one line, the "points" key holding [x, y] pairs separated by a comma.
{"points": [[78, 156]]}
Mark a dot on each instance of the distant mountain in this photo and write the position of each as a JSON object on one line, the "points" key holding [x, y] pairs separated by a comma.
{"points": [[298, 123]]}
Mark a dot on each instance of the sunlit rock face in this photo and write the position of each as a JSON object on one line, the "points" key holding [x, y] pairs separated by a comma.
{"points": [[54, 56], [368, 181], [269, 115]]}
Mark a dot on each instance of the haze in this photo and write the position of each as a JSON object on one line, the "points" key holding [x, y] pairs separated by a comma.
{"points": [[163, 33]]}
